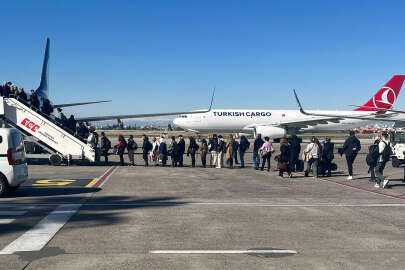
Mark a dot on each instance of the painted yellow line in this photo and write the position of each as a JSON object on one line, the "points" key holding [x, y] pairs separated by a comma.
{"points": [[92, 183], [53, 182]]}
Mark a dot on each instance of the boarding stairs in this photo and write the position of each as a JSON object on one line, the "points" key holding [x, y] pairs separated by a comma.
{"points": [[45, 131]]}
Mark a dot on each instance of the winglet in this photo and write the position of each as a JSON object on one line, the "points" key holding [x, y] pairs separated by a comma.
{"points": [[212, 99], [299, 103], [42, 90]]}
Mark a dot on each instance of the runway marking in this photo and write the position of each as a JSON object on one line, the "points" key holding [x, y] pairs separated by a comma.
{"points": [[105, 177], [53, 182], [274, 251], [363, 189], [17, 206], [89, 185], [224, 204], [6, 220], [12, 213], [36, 238]]}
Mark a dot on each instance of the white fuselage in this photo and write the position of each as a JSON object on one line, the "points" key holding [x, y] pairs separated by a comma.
{"points": [[243, 121]]}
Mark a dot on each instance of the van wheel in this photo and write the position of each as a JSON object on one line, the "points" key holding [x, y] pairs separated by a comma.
{"points": [[396, 162], [55, 160], [3, 186]]}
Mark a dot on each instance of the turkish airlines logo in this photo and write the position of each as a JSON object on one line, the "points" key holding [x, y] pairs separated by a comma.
{"points": [[30, 125], [387, 97]]}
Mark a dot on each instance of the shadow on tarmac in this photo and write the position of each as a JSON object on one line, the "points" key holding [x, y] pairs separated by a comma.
{"points": [[27, 191], [101, 211]]}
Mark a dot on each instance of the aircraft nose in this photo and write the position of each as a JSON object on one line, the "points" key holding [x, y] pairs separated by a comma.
{"points": [[176, 121]]}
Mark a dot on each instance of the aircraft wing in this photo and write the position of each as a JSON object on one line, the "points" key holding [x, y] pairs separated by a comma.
{"points": [[130, 116], [297, 124], [79, 104], [375, 116]]}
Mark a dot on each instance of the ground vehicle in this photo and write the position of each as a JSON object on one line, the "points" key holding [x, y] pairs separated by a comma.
{"points": [[398, 145], [13, 166]]}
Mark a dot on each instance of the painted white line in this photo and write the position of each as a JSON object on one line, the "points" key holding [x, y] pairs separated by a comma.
{"points": [[12, 213], [36, 238], [6, 220], [17, 206], [267, 251], [227, 204]]}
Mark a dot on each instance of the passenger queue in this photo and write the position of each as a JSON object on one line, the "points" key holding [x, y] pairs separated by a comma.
{"points": [[317, 157]]}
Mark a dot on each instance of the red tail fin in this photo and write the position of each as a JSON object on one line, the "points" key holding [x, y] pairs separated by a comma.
{"points": [[386, 96]]}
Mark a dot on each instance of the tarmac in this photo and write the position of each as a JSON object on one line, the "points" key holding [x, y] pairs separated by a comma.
{"points": [[113, 217]]}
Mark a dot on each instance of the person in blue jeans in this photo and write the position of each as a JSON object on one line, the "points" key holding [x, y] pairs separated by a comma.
{"points": [[256, 146]]}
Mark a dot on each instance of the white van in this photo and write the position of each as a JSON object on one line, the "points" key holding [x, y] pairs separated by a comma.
{"points": [[13, 166]]}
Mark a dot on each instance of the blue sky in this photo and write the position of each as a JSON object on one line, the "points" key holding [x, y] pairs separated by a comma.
{"points": [[160, 56]]}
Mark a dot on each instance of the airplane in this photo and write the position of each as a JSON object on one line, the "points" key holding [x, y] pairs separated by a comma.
{"points": [[43, 92], [279, 123]]}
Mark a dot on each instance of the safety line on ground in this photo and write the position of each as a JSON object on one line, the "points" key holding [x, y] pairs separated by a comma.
{"points": [[12, 213], [255, 251], [105, 177], [92, 182], [362, 189], [6, 220], [399, 197], [226, 204]]}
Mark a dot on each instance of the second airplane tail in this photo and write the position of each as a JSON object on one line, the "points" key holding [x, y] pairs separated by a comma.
{"points": [[386, 96], [42, 90]]}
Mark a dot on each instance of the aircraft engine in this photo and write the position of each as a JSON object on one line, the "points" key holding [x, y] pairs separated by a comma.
{"points": [[271, 132]]}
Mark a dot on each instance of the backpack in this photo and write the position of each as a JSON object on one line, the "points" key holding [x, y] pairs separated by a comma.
{"points": [[372, 156], [107, 144], [386, 153]]}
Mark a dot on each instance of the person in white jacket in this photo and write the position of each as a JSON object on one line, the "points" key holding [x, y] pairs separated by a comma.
{"points": [[154, 154], [312, 156]]}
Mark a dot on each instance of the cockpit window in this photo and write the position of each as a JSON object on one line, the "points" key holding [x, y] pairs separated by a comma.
{"points": [[183, 116]]}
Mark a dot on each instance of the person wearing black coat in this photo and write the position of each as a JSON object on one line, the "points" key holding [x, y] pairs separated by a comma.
{"points": [[285, 154], [105, 145], [221, 150], [174, 151], [182, 148], [212, 148], [327, 156], [350, 148], [295, 149], [71, 123], [34, 100], [22, 95], [192, 150], [7, 89], [146, 147], [47, 108], [243, 147], [256, 146]]}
